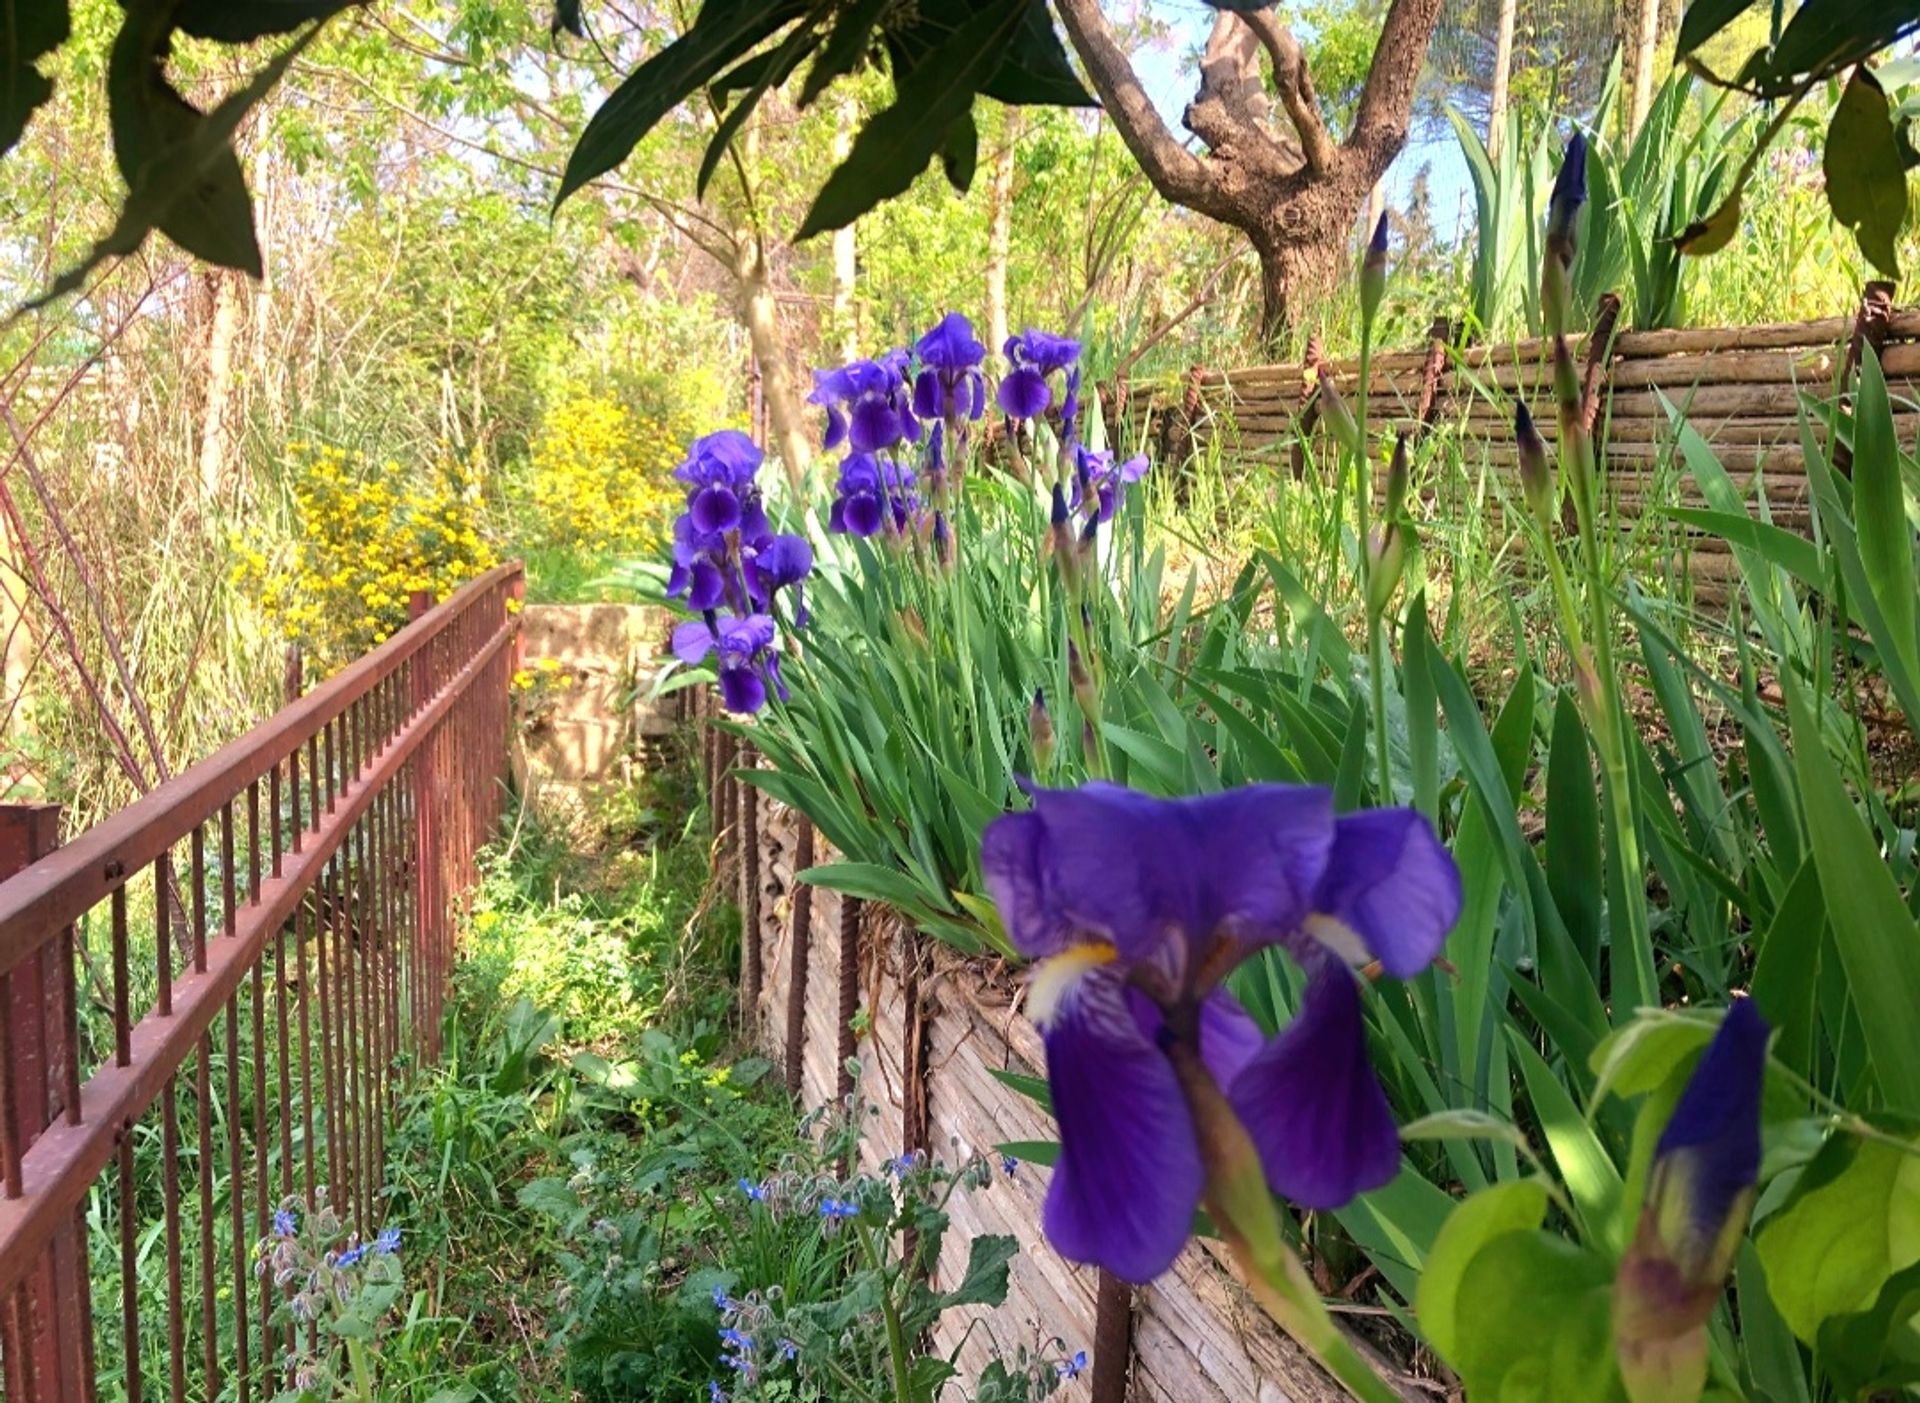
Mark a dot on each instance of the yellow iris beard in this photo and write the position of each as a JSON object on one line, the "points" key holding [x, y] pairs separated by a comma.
{"points": [[1056, 974]]}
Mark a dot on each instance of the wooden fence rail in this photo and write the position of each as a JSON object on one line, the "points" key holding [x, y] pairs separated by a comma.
{"points": [[211, 1000], [1740, 387]]}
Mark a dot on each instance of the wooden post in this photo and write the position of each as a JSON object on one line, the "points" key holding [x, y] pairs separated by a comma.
{"points": [[797, 952], [850, 910], [1112, 1338], [750, 966], [48, 1341]]}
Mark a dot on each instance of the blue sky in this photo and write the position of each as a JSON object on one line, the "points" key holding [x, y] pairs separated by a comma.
{"points": [[1167, 74]]}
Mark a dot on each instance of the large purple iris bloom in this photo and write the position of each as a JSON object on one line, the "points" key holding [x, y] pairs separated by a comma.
{"points": [[745, 661], [1034, 355], [872, 494], [867, 404], [1138, 908], [950, 383]]}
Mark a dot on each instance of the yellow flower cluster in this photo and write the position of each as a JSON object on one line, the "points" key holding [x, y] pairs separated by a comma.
{"points": [[600, 476], [369, 536]]}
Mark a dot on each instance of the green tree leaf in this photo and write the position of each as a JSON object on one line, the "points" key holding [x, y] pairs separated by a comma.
{"points": [[29, 30], [1878, 1348], [1851, 1225], [1540, 1326], [895, 146], [1866, 179], [725, 30], [1706, 18]]}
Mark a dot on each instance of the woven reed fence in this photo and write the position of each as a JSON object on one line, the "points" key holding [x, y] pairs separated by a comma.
{"points": [[933, 1029], [1739, 386]]}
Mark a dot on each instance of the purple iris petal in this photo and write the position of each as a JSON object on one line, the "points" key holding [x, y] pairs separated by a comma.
{"points": [[928, 402], [1024, 393], [977, 388], [1311, 1102], [1391, 883], [1239, 865], [1715, 1128], [707, 586], [785, 560], [873, 426], [727, 456], [714, 508], [741, 690], [836, 430], [1129, 1174], [951, 345], [862, 514], [1229, 1038], [692, 642]]}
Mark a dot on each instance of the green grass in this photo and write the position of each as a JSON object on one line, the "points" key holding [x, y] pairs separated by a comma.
{"points": [[556, 1176]]}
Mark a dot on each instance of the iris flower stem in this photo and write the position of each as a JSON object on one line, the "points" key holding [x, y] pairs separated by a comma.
{"points": [[1610, 726], [890, 1314], [1363, 514]]}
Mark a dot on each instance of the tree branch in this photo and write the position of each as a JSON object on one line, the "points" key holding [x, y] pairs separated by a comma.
{"points": [[1295, 85], [1176, 172], [1231, 111], [1386, 101]]}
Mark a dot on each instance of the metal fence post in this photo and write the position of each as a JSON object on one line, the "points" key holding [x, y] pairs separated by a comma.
{"points": [[426, 862], [48, 1337]]}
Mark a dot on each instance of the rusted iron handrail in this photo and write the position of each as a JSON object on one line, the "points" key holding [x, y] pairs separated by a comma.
{"points": [[321, 853]]}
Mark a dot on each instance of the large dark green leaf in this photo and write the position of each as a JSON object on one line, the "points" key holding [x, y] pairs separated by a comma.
{"points": [[725, 30], [758, 75], [154, 143], [960, 152], [847, 44], [1866, 178], [985, 1282], [1824, 36], [1706, 18], [895, 146], [29, 30], [1036, 70], [243, 21], [567, 16]]}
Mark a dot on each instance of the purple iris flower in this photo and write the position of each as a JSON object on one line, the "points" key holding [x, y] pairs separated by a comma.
{"points": [[783, 562], [950, 383], [745, 660], [1034, 355], [872, 493], [867, 404], [1103, 483], [1133, 957]]}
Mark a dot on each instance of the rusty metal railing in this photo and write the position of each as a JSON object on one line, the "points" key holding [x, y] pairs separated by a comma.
{"points": [[211, 1000]]}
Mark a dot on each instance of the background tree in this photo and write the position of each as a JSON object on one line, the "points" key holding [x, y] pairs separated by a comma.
{"points": [[1294, 195]]}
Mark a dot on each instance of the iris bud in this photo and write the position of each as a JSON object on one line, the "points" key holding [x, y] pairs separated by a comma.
{"points": [[1700, 1192], [1399, 471], [1387, 559], [943, 551], [1082, 681], [1040, 732], [1066, 552], [1334, 410], [1536, 475], [1373, 273], [1563, 209]]}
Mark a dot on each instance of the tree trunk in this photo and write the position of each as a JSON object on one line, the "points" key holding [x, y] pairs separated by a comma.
{"points": [[1502, 79], [1296, 274], [1645, 38], [845, 261], [1000, 234], [221, 338], [761, 314]]}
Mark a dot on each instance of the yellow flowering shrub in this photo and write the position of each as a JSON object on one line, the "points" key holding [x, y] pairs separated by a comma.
{"points": [[369, 535], [600, 476]]}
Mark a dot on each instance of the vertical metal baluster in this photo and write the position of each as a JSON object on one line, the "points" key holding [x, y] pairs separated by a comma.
{"points": [[203, 1109], [129, 1264], [261, 1185], [176, 1290]]}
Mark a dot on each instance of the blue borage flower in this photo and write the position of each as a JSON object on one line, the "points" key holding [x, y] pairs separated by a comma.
{"points": [[285, 1224], [950, 384], [1700, 1193], [1072, 1368], [1033, 356], [1009, 1165], [387, 1243], [757, 1193], [1133, 956], [868, 407]]}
